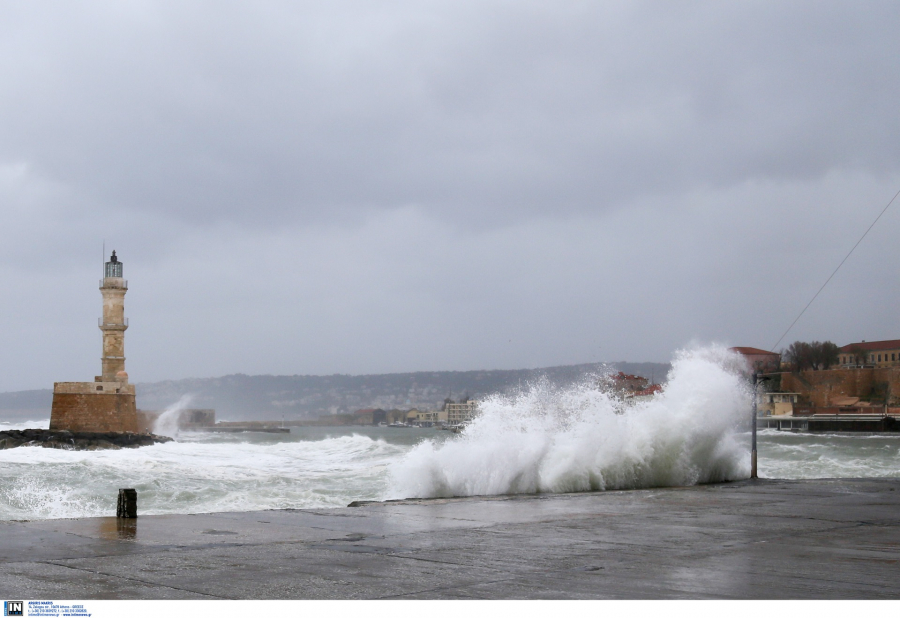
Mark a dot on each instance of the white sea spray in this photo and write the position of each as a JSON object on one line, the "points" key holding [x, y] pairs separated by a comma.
{"points": [[167, 423], [546, 439]]}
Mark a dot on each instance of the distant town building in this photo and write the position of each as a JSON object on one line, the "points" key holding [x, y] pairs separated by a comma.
{"points": [[366, 416], [870, 353], [428, 418], [645, 394], [760, 361], [460, 413], [628, 384]]}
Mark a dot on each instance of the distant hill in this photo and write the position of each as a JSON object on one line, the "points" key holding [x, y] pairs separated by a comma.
{"points": [[242, 397], [26, 405]]}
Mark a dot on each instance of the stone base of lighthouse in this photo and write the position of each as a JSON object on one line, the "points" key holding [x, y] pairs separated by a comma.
{"points": [[93, 406]]}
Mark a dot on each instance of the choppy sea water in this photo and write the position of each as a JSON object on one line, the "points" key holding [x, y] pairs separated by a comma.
{"points": [[543, 439]]}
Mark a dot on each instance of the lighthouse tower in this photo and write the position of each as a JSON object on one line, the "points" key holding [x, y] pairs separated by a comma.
{"points": [[107, 403], [113, 323]]}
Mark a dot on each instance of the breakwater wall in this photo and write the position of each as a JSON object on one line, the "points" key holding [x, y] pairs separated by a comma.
{"points": [[764, 539]]}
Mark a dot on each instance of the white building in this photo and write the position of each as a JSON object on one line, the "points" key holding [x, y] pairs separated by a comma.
{"points": [[776, 404], [461, 413]]}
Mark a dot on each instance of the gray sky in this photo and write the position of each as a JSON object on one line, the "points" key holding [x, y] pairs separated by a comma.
{"points": [[367, 187]]}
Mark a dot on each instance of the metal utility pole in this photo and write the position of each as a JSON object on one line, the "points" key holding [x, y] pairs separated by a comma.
{"points": [[753, 428]]}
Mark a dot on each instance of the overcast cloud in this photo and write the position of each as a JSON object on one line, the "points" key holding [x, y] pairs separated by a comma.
{"points": [[365, 187]]}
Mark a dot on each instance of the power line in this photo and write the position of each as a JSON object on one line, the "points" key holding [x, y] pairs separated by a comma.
{"points": [[884, 210]]}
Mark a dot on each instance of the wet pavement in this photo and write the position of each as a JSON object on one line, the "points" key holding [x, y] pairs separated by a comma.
{"points": [[819, 539]]}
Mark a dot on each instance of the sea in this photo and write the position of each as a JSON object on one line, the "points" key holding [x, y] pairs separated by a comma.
{"points": [[543, 438]]}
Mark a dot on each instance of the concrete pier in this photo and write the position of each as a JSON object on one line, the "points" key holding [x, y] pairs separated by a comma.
{"points": [[765, 539]]}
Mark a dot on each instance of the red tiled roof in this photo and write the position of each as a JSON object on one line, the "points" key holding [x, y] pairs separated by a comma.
{"points": [[871, 346], [365, 411], [745, 351], [650, 390], [627, 376]]}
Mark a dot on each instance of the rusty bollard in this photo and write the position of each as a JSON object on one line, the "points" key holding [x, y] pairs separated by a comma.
{"points": [[127, 506]]}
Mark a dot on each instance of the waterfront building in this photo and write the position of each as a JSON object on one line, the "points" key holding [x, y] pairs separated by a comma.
{"points": [[645, 394], [776, 404], [365, 416], [460, 413], [428, 416], [627, 384]]}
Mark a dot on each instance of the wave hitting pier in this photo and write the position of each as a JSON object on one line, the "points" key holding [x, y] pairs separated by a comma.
{"points": [[763, 539]]}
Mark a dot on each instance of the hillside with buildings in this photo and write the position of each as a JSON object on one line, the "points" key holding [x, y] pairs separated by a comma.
{"points": [[243, 397], [855, 387]]}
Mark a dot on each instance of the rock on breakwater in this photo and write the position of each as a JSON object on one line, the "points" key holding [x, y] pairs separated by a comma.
{"points": [[77, 440]]}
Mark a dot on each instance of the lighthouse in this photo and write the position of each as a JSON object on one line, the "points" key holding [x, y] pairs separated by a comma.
{"points": [[113, 323], [107, 403]]}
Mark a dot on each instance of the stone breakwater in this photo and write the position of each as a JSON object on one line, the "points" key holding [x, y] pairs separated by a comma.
{"points": [[77, 440]]}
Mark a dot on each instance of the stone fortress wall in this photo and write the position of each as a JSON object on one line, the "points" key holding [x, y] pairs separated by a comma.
{"points": [[820, 388], [75, 408]]}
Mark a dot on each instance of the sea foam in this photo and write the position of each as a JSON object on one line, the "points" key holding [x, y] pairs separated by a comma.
{"points": [[585, 437]]}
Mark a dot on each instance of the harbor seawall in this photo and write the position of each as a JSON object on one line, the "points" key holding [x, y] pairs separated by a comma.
{"points": [[764, 539]]}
